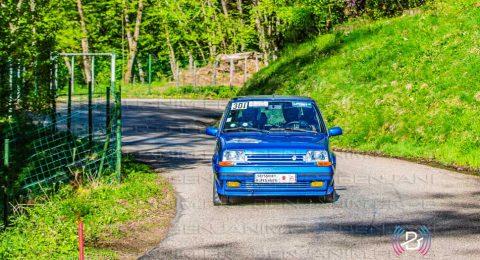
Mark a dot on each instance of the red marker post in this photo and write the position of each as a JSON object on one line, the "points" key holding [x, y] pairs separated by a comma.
{"points": [[80, 240]]}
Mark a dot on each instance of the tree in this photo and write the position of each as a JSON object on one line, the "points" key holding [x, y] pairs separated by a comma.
{"points": [[132, 39], [85, 48]]}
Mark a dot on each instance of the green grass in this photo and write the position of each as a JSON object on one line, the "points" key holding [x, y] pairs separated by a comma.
{"points": [[406, 86], [48, 230], [159, 90]]}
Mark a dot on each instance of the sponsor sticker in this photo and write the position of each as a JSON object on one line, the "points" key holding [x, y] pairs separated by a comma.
{"points": [[258, 103], [275, 107], [301, 104]]}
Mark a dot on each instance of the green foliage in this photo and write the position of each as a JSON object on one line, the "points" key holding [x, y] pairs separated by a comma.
{"points": [[26, 41], [170, 30], [48, 230], [405, 86], [206, 92]]}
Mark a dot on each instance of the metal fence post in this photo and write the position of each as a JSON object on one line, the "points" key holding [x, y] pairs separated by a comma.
{"points": [[93, 73], [53, 93], [69, 106], [107, 108], [73, 75], [118, 118], [149, 74], [90, 114], [69, 98]]}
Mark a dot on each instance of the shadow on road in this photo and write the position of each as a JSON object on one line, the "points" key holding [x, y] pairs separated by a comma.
{"points": [[445, 223], [169, 135]]}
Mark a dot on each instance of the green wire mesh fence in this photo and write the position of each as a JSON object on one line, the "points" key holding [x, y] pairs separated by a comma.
{"points": [[77, 139], [59, 152]]}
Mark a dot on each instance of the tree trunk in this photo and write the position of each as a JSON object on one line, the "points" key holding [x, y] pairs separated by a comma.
{"points": [[225, 7], [132, 40], [85, 49], [19, 5], [240, 11], [171, 55], [211, 47], [239, 7], [68, 65], [200, 49], [261, 32]]}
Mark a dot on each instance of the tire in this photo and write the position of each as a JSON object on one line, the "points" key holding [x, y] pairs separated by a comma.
{"points": [[219, 199], [330, 198]]}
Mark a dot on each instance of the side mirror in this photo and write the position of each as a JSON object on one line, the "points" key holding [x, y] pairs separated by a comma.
{"points": [[334, 131], [213, 131]]}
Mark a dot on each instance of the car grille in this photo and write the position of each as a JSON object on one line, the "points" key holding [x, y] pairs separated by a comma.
{"points": [[275, 158]]}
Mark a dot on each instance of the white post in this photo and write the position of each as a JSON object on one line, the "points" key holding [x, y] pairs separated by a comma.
{"points": [[232, 68], [178, 75], [214, 72], [245, 71], [112, 68], [194, 73]]}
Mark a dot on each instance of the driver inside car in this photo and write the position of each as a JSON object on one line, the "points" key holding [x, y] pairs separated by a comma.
{"points": [[291, 114], [293, 118]]}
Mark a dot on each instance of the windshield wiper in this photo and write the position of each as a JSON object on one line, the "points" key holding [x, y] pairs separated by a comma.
{"points": [[245, 129], [292, 129]]}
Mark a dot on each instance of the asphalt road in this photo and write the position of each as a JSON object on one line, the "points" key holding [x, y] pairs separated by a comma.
{"points": [[375, 196]]}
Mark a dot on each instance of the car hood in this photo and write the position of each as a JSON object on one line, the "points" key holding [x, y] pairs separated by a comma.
{"points": [[290, 141]]}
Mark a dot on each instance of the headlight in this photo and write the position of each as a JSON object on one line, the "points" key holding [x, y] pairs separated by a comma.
{"points": [[234, 156], [316, 156]]}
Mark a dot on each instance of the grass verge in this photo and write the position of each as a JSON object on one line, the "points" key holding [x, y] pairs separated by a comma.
{"points": [[404, 86], [160, 91], [121, 220]]}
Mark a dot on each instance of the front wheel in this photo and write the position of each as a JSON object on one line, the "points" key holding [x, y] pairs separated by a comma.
{"points": [[219, 199], [330, 198]]}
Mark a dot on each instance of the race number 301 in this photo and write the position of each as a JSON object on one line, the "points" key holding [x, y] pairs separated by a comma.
{"points": [[239, 105]]}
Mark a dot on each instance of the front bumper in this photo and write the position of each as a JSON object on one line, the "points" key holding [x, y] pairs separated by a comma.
{"points": [[246, 176]]}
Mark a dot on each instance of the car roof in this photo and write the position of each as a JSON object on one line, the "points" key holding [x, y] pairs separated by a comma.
{"points": [[271, 98]]}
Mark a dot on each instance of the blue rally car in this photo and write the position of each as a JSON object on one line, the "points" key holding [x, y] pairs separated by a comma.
{"points": [[272, 146]]}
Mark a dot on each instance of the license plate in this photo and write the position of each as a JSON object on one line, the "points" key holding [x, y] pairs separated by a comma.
{"points": [[275, 178]]}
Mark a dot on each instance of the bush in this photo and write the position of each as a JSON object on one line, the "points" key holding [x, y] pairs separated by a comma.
{"points": [[48, 230]]}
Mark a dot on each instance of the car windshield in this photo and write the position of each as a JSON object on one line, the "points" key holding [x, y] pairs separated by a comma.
{"points": [[272, 116]]}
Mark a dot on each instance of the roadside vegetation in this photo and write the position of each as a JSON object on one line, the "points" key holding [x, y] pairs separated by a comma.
{"points": [[115, 215], [159, 90], [404, 86]]}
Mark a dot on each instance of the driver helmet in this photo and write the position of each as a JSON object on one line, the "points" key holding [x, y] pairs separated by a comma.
{"points": [[250, 115], [291, 114]]}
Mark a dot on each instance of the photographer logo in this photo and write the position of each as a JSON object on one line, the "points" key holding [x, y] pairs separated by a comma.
{"points": [[408, 240]]}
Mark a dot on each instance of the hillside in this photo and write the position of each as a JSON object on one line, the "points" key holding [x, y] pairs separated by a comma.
{"points": [[407, 86]]}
